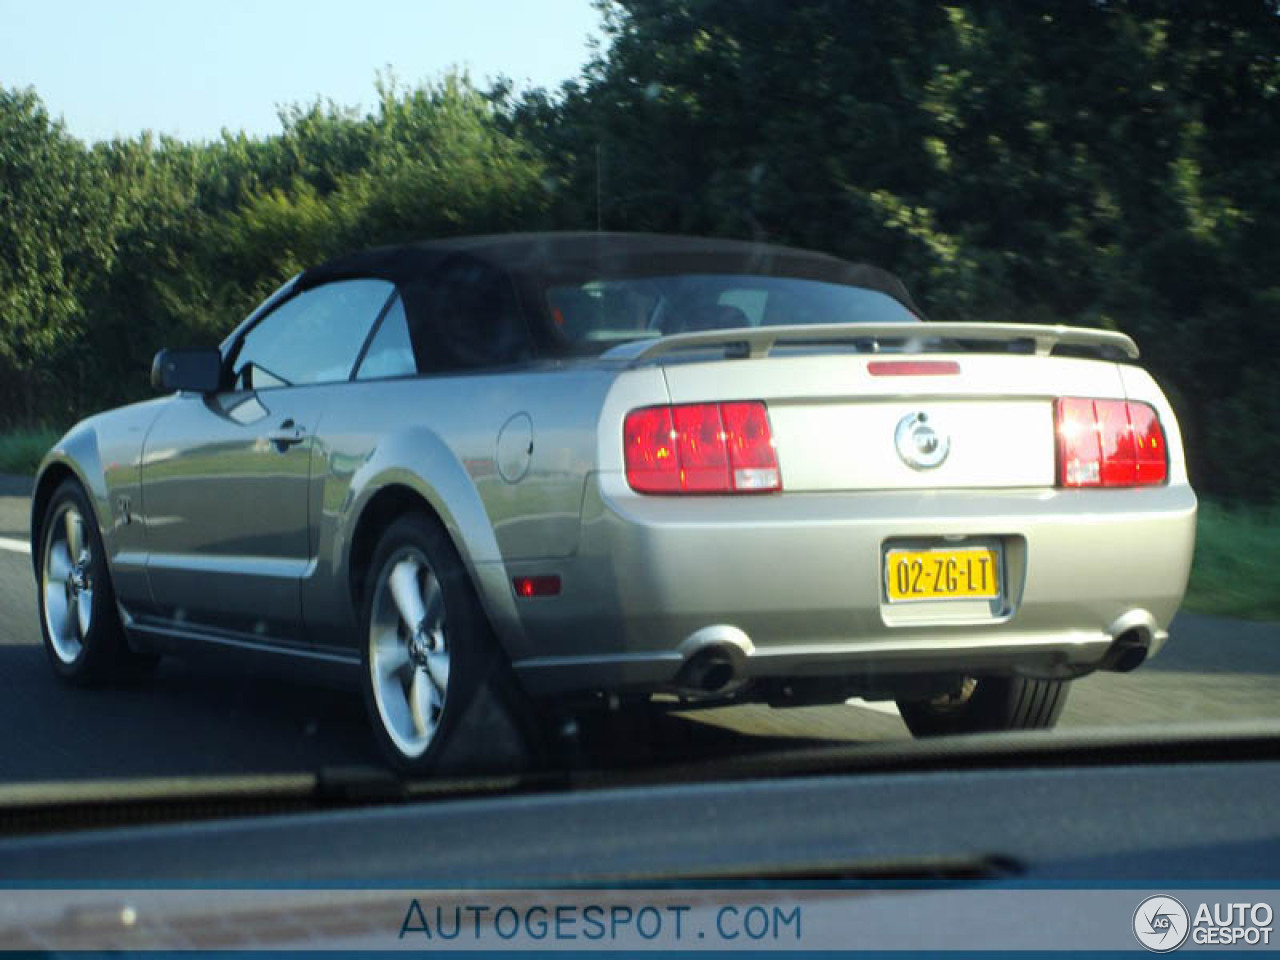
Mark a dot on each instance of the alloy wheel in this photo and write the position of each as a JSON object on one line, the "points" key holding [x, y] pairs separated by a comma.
{"points": [[67, 582], [409, 651]]}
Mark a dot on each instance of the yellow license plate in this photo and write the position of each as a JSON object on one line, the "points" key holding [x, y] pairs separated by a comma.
{"points": [[967, 573]]}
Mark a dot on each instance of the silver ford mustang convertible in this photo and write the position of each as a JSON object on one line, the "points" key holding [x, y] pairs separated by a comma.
{"points": [[490, 473]]}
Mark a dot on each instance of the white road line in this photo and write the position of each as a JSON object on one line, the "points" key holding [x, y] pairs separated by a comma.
{"points": [[15, 546], [879, 706]]}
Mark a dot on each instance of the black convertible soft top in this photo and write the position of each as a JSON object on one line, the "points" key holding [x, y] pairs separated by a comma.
{"points": [[543, 259]]}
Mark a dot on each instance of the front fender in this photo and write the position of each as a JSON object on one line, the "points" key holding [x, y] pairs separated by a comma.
{"points": [[416, 458], [104, 453]]}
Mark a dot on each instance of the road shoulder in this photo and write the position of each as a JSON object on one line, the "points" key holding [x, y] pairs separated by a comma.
{"points": [[15, 508]]}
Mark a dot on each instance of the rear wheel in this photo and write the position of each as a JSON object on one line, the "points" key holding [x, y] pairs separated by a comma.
{"points": [[439, 692], [78, 617], [986, 704]]}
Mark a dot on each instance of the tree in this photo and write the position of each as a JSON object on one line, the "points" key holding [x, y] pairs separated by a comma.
{"points": [[53, 239], [1102, 163]]}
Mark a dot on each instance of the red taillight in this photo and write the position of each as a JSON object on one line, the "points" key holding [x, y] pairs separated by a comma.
{"points": [[1109, 443], [650, 442], [752, 457], [701, 448], [1151, 458]]}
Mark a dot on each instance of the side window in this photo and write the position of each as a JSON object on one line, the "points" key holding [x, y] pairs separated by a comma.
{"points": [[313, 338], [391, 353], [467, 316]]}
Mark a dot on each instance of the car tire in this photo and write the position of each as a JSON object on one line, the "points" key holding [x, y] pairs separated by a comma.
{"points": [[79, 620], [988, 704], [442, 698]]}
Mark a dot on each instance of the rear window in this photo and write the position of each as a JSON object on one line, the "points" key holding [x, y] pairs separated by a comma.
{"points": [[609, 311]]}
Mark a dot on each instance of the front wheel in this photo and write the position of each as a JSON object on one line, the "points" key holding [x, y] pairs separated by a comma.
{"points": [[78, 618], [987, 704], [438, 690]]}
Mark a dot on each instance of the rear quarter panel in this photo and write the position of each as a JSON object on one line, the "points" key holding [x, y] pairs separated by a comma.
{"points": [[439, 436]]}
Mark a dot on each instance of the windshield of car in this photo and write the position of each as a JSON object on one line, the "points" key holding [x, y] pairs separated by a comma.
{"points": [[482, 488], [607, 311]]}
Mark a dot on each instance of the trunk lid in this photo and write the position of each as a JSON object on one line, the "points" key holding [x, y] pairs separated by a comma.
{"points": [[837, 426]]}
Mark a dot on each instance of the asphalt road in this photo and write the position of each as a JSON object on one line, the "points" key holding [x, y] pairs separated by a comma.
{"points": [[200, 719]]}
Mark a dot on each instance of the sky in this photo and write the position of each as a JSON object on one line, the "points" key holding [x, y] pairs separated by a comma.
{"points": [[191, 67]]}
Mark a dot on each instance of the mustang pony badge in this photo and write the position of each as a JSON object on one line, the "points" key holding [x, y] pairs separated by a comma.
{"points": [[921, 445]]}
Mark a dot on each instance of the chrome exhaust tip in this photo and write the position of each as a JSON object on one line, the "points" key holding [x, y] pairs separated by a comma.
{"points": [[1128, 652], [707, 671], [715, 661], [1136, 638]]}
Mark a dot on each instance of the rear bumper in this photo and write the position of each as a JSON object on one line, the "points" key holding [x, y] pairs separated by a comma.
{"points": [[793, 584]]}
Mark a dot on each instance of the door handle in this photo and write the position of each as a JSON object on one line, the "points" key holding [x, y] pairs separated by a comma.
{"points": [[286, 435]]}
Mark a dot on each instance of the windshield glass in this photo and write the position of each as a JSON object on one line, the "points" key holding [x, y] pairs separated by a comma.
{"points": [[607, 311]]}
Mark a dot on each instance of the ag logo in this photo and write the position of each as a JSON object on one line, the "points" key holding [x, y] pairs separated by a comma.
{"points": [[1161, 924]]}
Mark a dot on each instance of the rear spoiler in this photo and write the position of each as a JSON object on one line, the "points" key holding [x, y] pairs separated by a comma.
{"points": [[917, 337]]}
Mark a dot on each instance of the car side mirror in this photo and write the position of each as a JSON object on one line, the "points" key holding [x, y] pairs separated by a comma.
{"points": [[198, 369]]}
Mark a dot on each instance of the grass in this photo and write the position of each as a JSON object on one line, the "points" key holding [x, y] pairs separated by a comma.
{"points": [[1237, 566], [22, 450], [1236, 571]]}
